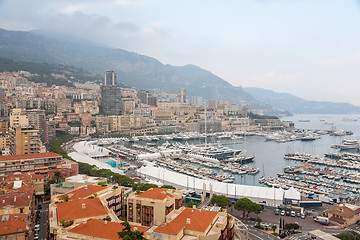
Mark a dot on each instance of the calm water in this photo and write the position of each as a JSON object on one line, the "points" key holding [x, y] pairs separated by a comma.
{"points": [[269, 155]]}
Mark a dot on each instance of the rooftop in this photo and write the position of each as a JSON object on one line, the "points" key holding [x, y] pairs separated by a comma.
{"points": [[81, 208], [15, 199], [345, 210], [28, 156], [190, 219], [84, 191], [157, 193], [12, 226], [102, 229]]}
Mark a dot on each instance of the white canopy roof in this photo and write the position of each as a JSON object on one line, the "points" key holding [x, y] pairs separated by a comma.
{"points": [[269, 196], [86, 159], [292, 194]]}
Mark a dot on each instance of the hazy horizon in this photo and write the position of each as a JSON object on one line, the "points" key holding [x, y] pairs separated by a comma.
{"points": [[306, 48]]}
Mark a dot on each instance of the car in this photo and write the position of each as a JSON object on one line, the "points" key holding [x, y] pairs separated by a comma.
{"points": [[277, 211], [303, 215], [282, 213], [287, 212], [298, 214], [293, 214]]}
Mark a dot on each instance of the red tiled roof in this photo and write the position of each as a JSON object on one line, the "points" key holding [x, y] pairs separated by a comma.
{"points": [[98, 228], [28, 156], [15, 199], [9, 227], [84, 191], [26, 187], [199, 221], [17, 177], [156, 193], [74, 210]]}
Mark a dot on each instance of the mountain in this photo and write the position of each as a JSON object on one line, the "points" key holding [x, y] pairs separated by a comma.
{"points": [[293, 104], [45, 72], [132, 69]]}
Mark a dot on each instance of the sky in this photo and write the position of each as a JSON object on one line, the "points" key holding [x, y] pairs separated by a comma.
{"points": [[307, 48]]}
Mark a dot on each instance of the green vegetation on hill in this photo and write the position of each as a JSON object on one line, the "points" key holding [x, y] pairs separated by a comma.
{"points": [[45, 71]]}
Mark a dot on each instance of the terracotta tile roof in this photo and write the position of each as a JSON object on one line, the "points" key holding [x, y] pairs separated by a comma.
{"points": [[98, 228], [84, 191], [15, 199], [157, 193], [343, 211], [14, 226], [199, 221], [26, 187], [37, 176], [17, 216], [28, 156], [74, 210], [17, 177]]}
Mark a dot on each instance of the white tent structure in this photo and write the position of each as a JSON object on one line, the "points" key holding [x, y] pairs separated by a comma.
{"points": [[86, 159], [265, 195], [292, 195], [87, 148]]}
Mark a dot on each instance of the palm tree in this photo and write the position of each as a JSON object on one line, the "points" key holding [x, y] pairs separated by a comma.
{"points": [[57, 176]]}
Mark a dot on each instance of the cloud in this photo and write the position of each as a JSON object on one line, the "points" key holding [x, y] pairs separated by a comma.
{"points": [[127, 27]]}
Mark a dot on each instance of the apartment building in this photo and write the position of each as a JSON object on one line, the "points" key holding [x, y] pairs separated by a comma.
{"points": [[13, 226], [152, 206], [39, 163], [18, 118], [344, 214], [85, 203], [190, 223], [99, 229], [25, 140]]}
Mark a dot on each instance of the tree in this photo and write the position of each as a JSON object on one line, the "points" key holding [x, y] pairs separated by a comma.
{"points": [[258, 220], [274, 228], [221, 200], [57, 176], [65, 198], [168, 187], [190, 204], [348, 235], [243, 204], [254, 207], [128, 234]]}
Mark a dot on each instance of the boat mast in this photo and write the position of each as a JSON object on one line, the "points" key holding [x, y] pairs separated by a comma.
{"points": [[205, 127]]}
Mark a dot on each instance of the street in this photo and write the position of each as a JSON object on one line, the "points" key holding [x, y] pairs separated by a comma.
{"points": [[41, 220]]}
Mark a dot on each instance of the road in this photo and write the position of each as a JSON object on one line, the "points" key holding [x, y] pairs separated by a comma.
{"points": [[43, 221]]}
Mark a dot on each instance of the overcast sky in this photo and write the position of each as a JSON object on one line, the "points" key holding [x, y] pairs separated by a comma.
{"points": [[309, 48]]}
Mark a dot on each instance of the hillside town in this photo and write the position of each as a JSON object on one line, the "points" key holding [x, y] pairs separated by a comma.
{"points": [[58, 144]]}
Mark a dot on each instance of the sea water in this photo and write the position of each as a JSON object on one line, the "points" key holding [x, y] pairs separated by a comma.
{"points": [[269, 155]]}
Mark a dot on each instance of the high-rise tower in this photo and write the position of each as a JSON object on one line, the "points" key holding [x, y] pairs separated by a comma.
{"points": [[110, 95], [110, 78]]}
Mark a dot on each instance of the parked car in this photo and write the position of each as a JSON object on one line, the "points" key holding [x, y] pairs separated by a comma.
{"points": [[298, 214], [287, 212], [293, 214], [303, 215], [282, 213], [277, 211]]}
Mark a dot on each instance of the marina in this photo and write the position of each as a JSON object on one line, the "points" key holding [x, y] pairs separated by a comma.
{"points": [[281, 159]]}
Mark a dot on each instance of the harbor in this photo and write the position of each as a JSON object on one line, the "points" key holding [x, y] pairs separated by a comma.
{"points": [[313, 167]]}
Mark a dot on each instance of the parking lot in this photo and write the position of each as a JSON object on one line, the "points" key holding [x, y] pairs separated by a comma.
{"points": [[268, 217]]}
